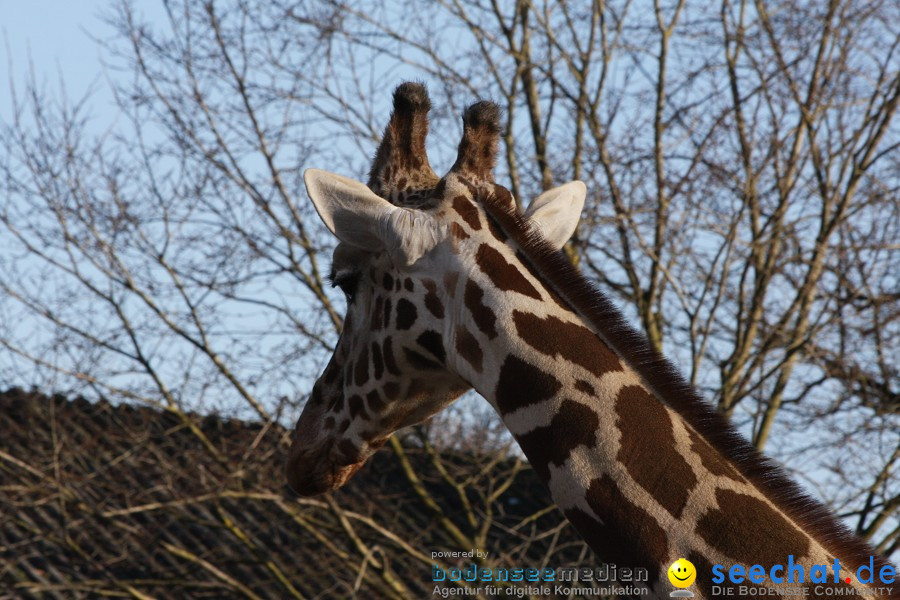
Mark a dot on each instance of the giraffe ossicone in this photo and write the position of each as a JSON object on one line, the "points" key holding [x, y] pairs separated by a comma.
{"points": [[450, 286]]}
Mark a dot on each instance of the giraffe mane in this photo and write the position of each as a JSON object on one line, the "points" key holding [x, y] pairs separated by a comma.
{"points": [[554, 268]]}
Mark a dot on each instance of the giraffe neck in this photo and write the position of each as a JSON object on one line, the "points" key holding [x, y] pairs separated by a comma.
{"points": [[644, 469]]}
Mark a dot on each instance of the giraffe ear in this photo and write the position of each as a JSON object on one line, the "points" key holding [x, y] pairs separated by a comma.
{"points": [[364, 220], [556, 212]]}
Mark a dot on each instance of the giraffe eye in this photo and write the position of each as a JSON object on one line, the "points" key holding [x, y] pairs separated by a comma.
{"points": [[348, 283]]}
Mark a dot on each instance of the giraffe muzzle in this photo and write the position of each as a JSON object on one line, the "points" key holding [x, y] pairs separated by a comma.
{"points": [[314, 473]]}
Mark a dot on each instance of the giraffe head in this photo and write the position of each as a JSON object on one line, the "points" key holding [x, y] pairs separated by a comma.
{"points": [[418, 319]]}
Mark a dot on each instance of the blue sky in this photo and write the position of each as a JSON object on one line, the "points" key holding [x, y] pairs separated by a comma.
{"points": [[57, 37]]}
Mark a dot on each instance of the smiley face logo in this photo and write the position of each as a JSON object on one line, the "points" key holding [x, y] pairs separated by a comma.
{"points": [[682, 573]]}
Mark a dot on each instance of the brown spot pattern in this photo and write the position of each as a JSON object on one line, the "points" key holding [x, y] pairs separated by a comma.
{"points": [[629, 535], [522, 384], [457, 231], [391, 390], [388, 282], [389, 361], [470, 185], [584, 387], [433, 342], [450, 280], [406, 313], [704, 567], [418, 361], [574, 343], [483, 316], [468, 212], [432, 302], [377, 362], [362, 366], [550, 291], [648, 449], [496, 231], [387, 313], [374, 401], [750, 531], [504, 275], [469, 348], [355, 403], [408, 284], [712, 461], [572, 426], [595, 535]]}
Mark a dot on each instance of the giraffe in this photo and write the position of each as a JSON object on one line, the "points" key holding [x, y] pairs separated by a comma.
{"points": [[450, 286]]}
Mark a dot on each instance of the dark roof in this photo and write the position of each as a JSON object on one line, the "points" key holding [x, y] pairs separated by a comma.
{"points": [[97, 498]]}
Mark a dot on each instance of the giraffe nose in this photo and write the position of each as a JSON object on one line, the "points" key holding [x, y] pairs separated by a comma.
{"points": [[321, 466], [306, 473], [307, 468], [304, 481]]}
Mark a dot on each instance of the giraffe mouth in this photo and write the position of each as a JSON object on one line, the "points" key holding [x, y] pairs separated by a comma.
{"points": [[314, 469], [308, 475]]}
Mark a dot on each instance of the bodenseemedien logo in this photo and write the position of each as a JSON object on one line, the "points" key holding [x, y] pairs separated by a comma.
{"points": [[682, 574]]}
